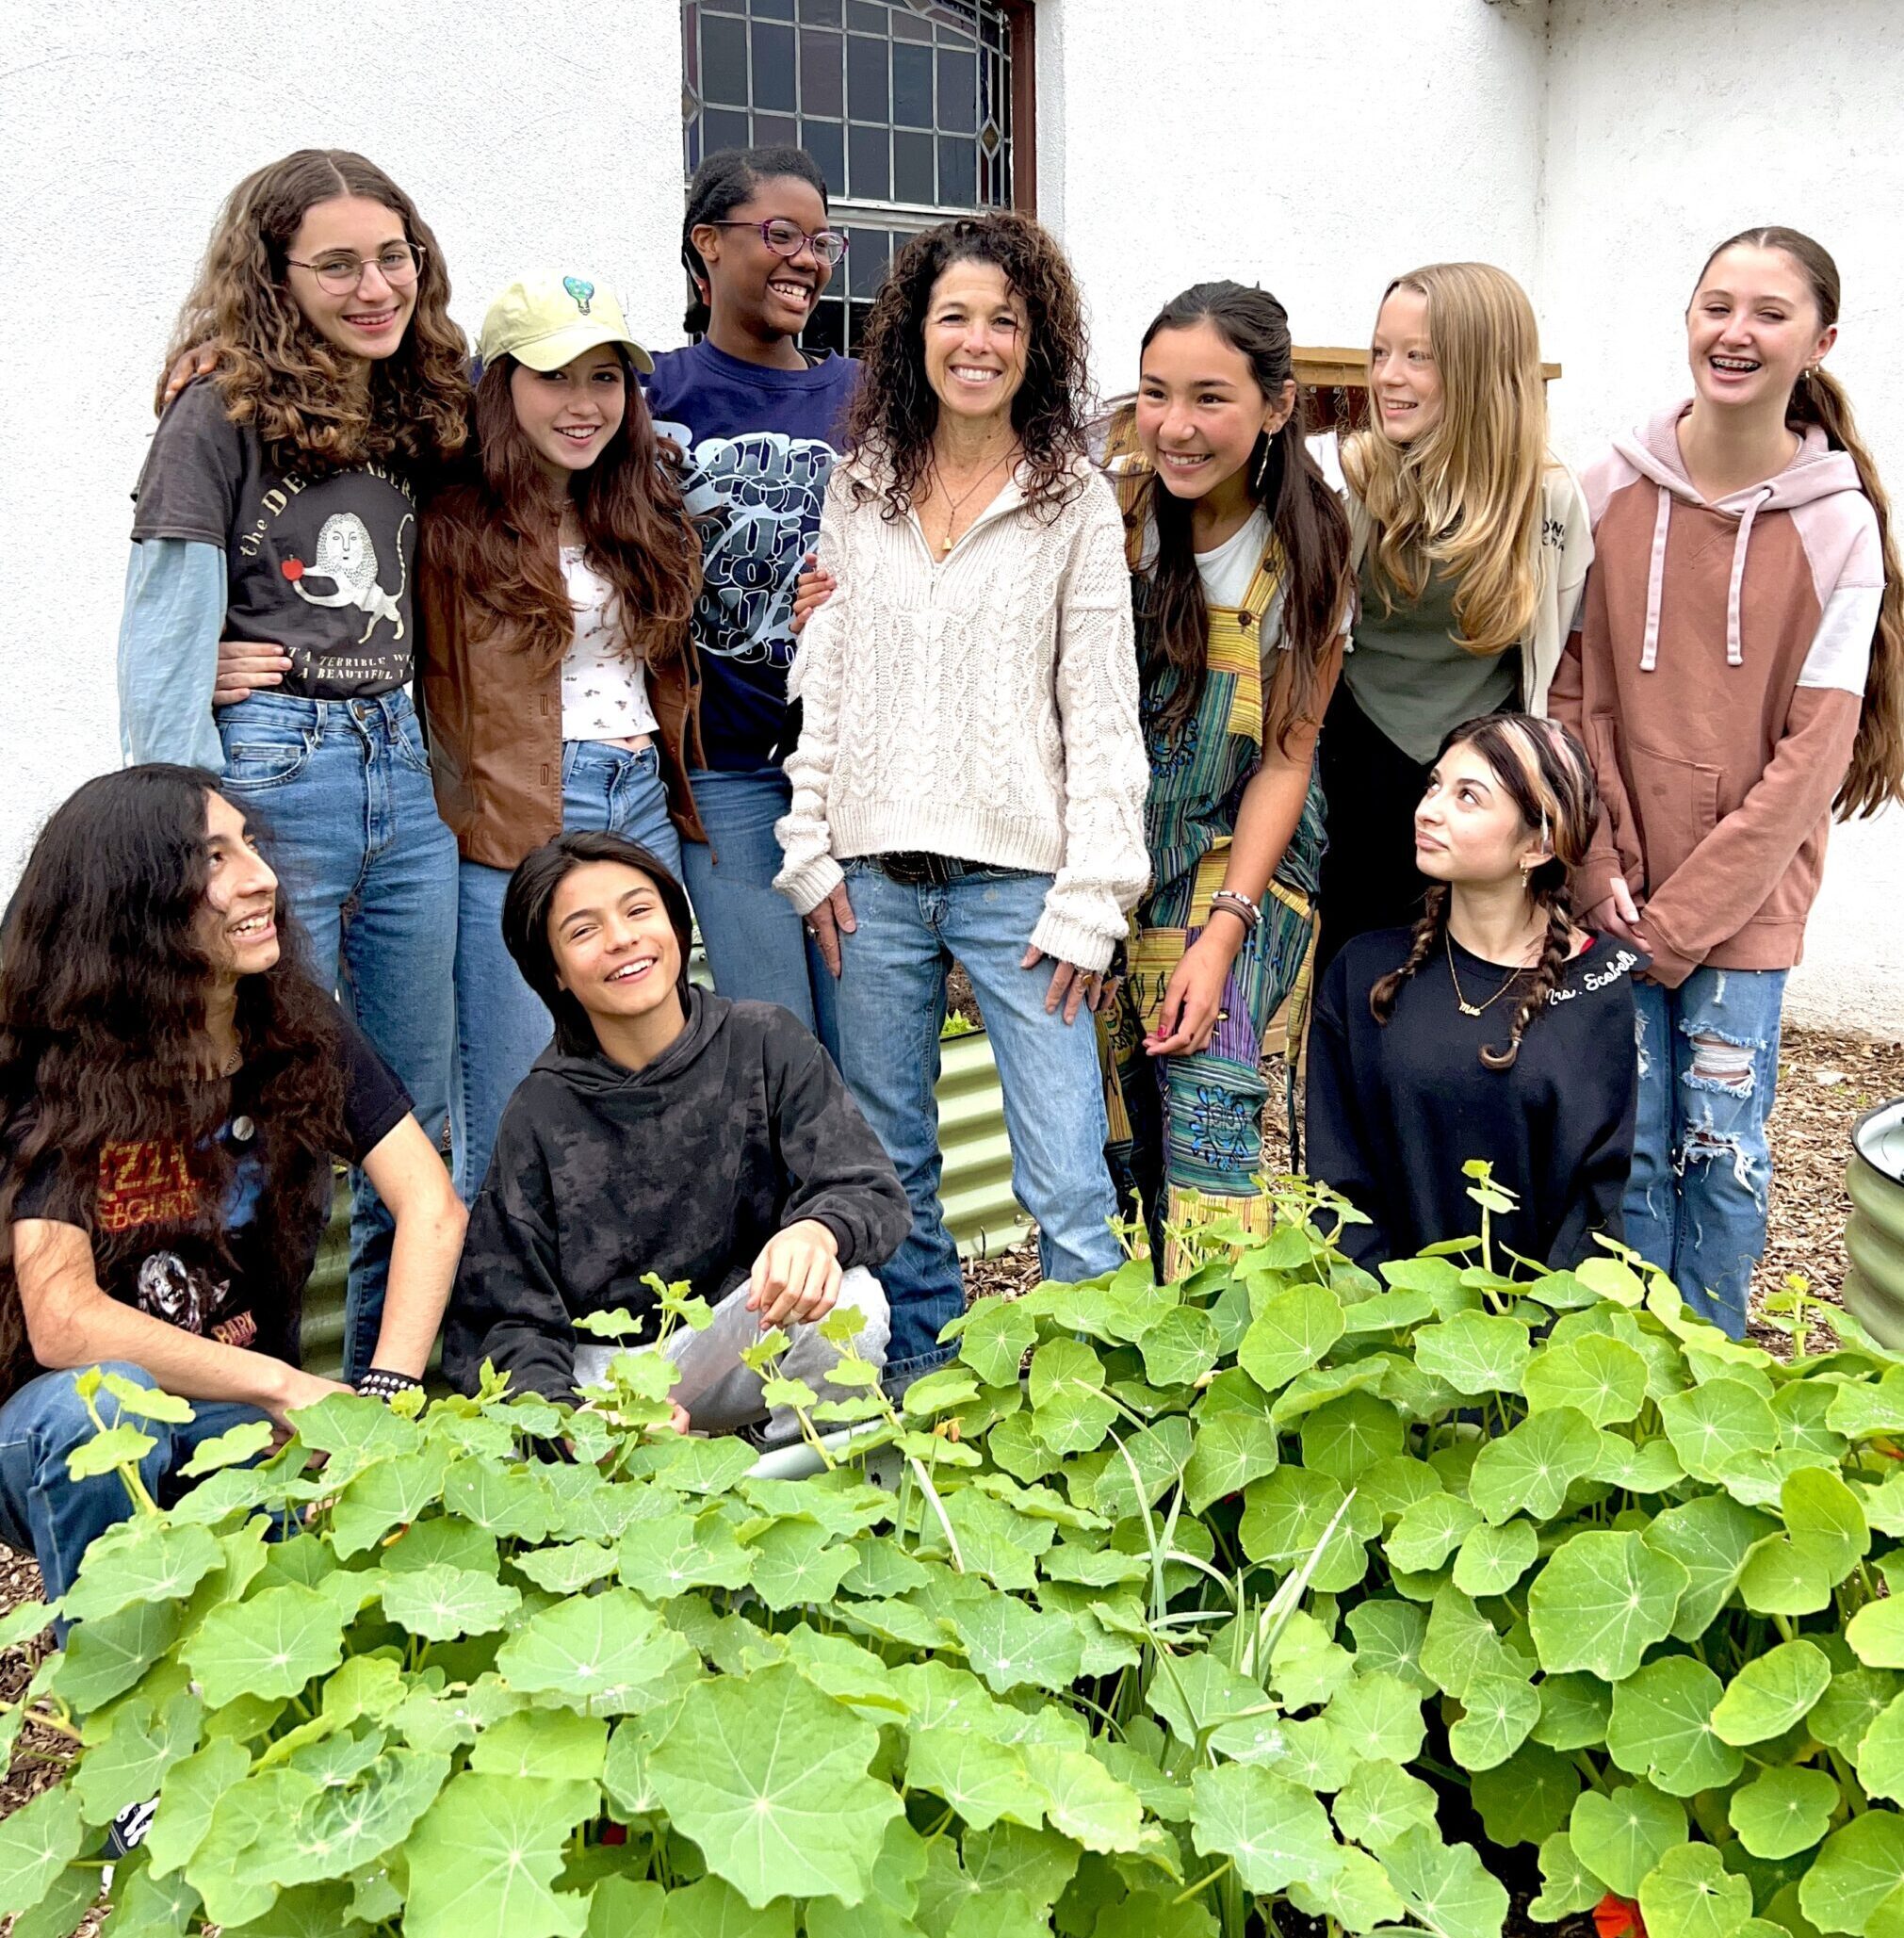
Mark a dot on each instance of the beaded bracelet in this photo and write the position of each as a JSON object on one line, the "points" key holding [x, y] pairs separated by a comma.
{"points": [[382, 1384], [1240, 905]]}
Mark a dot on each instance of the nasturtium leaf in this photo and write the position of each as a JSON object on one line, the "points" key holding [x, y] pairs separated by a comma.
{"points": [[1196, 1691], [1803, 1407], [1379, 1801], [796, 1562], [595, 1651], [1389, 1636], [1855, 1700], [1825, 1522], [68, 1899], [440, 1602], [391, 1494], [1070, 1411], [1857, 1868], [1602, 1601], [1880, 1755], [1885, 1921], [670, 1553], [1714, 1422], [710, 1908], [1662, 1727], [1350, 1434], [1782, 1811], [1710, 1538], [233, 1447], [1388, 1312], [509, 1501], [429, 1721], [1650, 1468], [767, 1776], [1230, 1451], [1526, 1798], [1379, 1717], [142, 1907], [1428, 1532], [1008, 1858], [37, 1842], [1863, 1408], [129, 1765], [142, 1559], [1306, 1666], [1474, 1352], [344, 1827], [103, 1658], [1622, 1834], [999, 1332], [543, 1743], [270, 1646], [1292, 1330], [1009, 1644], [1599, 1376], [1273, 1830], [1392, 1487], [1772, 1692], [1310, 1751], [1690, 1894], [233, 1868], [1498, 1712], [981, 1780], [1876, 1632], [186, 1799], [1179, 1349], [1446, 1886], [1083, 1800], [1355, 1895], [567, 1569], [484, 1859], [354, 1431], [1462, 1645], [1566, 1886], [1492, 1559], [1287, 1513], [1529, 1470], [117, 1447]]}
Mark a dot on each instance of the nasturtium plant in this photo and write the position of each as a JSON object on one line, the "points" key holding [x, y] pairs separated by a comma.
{"points": [[1156, 1610]]}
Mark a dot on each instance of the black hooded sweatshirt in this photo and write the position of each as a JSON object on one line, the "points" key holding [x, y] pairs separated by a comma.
{"points": [[686, 1170]]}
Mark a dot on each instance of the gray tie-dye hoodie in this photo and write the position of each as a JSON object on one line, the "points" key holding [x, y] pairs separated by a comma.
{"points": [[686, 1170]]}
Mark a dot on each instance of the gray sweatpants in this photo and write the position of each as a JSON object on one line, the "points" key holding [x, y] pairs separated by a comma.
{"points": [[720, 1392]]}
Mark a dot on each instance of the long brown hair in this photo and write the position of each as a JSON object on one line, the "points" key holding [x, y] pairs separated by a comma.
{"points": [[1310, 527], [277, 374], [103, 1013], [895, 412], [1875, 774], [1466, 494], [1545, 771], [493, 537]]}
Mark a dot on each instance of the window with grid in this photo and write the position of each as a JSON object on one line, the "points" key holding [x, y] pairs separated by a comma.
{"points": [[907, 105]]}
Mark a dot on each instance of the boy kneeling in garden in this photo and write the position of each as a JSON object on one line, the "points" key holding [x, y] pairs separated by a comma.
{"points": [[665, 1131]]}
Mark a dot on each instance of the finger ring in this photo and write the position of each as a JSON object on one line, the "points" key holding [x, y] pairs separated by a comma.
{"points": [[1222, 1016], [811, 930]]}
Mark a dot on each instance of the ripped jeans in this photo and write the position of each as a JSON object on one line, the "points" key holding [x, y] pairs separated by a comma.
{"points": [[1702, 1169]]}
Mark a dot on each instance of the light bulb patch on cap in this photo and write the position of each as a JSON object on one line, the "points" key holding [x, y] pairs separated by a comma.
{"points": [[582, 292]]}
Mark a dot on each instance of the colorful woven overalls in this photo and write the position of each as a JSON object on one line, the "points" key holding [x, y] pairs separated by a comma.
{"points": [[1186, 1132]]}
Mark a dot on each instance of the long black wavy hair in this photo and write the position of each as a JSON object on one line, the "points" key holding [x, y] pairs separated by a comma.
{"points": [[102, 988]]}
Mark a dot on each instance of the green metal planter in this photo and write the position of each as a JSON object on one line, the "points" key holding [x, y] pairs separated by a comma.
{"points": [[976, 1191], [1874, 1234]]}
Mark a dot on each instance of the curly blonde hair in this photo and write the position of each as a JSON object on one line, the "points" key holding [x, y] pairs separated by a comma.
{"points": [[277, 375]]}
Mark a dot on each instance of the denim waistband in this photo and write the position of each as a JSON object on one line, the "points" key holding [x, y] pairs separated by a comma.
{"points": [[390, 712]]}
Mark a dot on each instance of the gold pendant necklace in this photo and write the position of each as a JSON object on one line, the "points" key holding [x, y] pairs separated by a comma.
{"points": [[952, 515], [1461, 1002]]}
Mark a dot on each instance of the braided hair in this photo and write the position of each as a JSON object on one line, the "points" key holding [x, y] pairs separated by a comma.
{"points": [[721, 184], [1546, 773]]}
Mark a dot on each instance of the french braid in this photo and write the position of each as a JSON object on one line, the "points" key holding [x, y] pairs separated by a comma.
{"points": [[1549, 973], [1427, 934]]}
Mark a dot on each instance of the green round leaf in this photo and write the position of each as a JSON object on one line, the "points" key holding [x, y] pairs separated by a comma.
{"points": [[482, 1861], [1379, 1717], [1287, 1513], [1662, 1727], [596, 1653], [543, 1743], [1474, 1352], [142, 1559], [1574, 1712], [1380, 1802], [1446, 1887], [1499, 1711], [769, 1777], [1429, 1531], [1712, 1423], [1855, 1700], [1292, 1331], [800, 1563], [1083, 1800], [1876, 1634], [1529, 1470], [1602, 1601], [999, 1332], [1230, 1451], [1602, 1377], [981, 1780], [1856, 1870], [1772, 1692], [1782, 1811], [1880, 1755], [37, 1842], [1528, 1799], [270, 1646], [440, 1602], [1273, 1831], [1825, 1520], [1492, 1559], [1620, 1836], [1389, 1636], [1179, 1350], [1070, 1412], [1710, 1538], [1690, 1894], [1566, 1886], [1347, 1437]]}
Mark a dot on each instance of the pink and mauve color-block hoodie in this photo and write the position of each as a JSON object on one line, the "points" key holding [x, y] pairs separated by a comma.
{"points": [[1716, 678]]}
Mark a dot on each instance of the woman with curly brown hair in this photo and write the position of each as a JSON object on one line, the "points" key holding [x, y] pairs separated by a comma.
{"points": [[970, 774], [560, 684], [174, 1087], [277, 506]]}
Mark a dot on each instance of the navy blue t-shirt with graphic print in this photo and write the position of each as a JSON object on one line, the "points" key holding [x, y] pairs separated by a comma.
{"points": [[760, 445], [318, 563]]}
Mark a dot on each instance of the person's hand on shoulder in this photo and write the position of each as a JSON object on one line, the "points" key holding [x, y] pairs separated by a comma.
{"points": [[796, 1279]]}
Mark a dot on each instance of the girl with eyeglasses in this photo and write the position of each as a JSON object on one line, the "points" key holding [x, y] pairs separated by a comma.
{"points": [[1470, 541], [759, 420], [278, 505]]}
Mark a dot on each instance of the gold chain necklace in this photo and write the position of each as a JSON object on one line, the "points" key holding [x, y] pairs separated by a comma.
{"points": [[952, 515], [1461, 1002]]}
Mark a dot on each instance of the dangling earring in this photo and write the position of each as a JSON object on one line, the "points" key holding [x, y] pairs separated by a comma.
{"points": [[1263, 462]]}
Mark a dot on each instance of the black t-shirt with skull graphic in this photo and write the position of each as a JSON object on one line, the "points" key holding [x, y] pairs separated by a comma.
{"points": [[318, 563], [220, 1273]]}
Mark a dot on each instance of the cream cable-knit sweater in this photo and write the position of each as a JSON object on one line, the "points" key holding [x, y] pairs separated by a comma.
{"points": [[983, 706]]}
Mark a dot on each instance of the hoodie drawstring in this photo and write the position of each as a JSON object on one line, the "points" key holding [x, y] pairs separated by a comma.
{"points": [[1735, 652], [1655, 581]]}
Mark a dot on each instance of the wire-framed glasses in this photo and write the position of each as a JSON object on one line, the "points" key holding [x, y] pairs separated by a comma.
{"points": [[339, 272]]}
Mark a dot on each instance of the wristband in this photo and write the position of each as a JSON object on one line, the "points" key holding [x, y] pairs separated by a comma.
{"points": [[380, 1383]]}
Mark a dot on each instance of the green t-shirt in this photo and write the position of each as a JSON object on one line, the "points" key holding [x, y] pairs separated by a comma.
{"points": [[1409, 676]]}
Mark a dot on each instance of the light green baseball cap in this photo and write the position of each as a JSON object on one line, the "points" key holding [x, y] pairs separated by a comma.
{"points": [[548, 320]]}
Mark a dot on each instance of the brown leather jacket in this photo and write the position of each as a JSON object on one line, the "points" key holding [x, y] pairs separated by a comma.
{"points": [[495, 729]]}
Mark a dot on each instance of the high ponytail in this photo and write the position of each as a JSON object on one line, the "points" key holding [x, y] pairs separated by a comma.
{"points": [[1876, 775], [721, 184]]}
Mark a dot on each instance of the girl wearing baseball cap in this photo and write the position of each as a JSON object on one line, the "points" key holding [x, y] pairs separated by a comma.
{"points": [[556, 584]]}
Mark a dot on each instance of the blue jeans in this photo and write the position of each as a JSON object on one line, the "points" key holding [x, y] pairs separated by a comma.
{"points": [[1701, 1168], [501, 1023], [342, 788], [757, 944], [43, 1510], [892, 991]]}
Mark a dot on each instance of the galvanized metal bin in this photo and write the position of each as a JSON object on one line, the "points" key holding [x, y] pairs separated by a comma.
{"points": [[976, 1191], [1874, 1234]]}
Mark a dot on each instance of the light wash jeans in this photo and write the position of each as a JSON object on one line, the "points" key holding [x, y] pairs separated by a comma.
{"points": [[43, 1510], [342, 789], [1701, 1168], [502, 1025], [720, 1393], [892, 998], [757, 943]]}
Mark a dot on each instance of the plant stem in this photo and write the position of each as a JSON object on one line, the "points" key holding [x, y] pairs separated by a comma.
{"points": [[1201, 1885]]}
